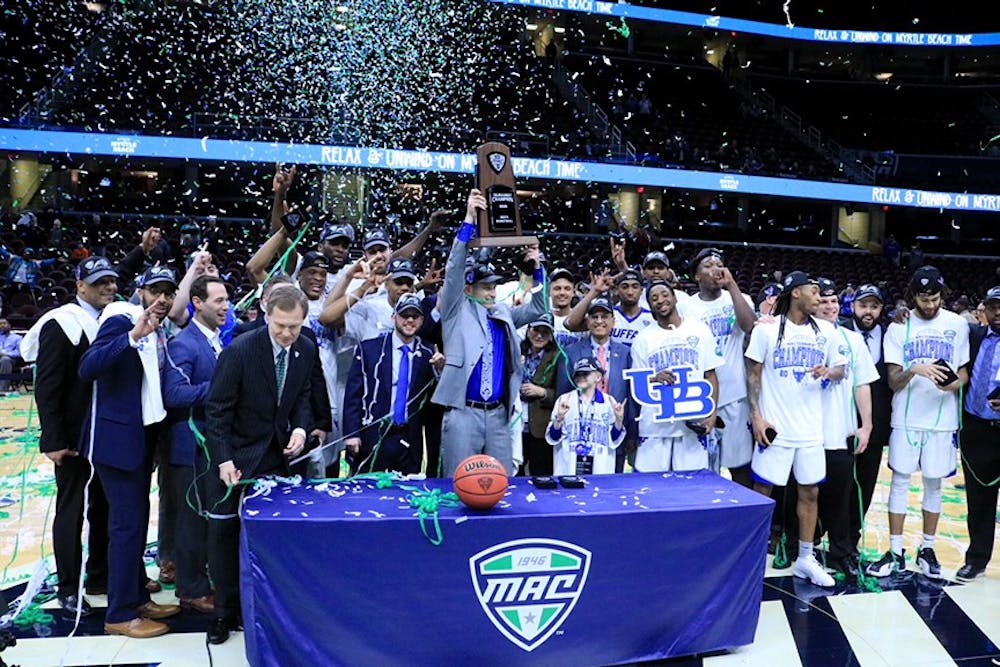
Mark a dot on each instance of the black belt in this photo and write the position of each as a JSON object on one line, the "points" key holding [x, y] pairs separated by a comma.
{"points": [[479, 405], [992, 423]]}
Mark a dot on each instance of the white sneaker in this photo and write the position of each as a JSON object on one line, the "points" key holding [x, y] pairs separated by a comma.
{"points": [[809, 568]]}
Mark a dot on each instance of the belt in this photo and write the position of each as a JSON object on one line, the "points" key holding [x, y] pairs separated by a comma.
{"points": [[992, 423], [479, 405]]}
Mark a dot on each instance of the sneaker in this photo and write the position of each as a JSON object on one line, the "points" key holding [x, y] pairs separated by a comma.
{"points": [[809, 568], [887, 564], [969, 572], [928, 562]]}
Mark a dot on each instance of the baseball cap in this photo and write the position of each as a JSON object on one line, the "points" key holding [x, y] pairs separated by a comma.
{"points": [[826, 287], [657, 283], [561, 274], [401, 267], [331, 232], [767, 291], [157, 274], [544, 320], [314, 259], [94, 268], [629, 274], [993, 294], [702, 255], [600, 303], [926, 279], [408, 302], [480, 272], [375, 237], [868, 290], [796, 279], [656, 256], [587, 365]]}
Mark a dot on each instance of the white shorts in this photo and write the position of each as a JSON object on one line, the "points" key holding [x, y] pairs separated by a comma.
{"points": [[684, 452], [933, 453], [773, 464], [736, 447]]}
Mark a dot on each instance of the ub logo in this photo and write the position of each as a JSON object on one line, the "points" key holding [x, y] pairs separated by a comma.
{"points": [[529, 587], [684, 399]]}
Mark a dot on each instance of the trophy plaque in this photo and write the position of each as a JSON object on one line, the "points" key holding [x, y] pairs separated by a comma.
{"points": [[500, 223]]}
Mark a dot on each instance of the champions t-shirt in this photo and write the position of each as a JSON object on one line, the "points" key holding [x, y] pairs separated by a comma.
{"points": [[720, 318], [625, 329], [920, 405], [840, 414], [790, 398], [689, 345], [564, 336]]}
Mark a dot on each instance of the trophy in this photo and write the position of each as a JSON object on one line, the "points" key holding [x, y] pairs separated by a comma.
{"points": [[500, 223]]}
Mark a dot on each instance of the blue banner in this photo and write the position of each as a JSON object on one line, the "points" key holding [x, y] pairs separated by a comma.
{"points": [[631, 568], [142, 146], [827, 35]]}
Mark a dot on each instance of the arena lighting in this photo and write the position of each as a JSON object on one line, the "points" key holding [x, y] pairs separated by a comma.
{"points": [[545, 169], [781, 31]]}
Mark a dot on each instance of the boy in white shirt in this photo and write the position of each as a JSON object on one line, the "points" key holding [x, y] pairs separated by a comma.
{"points": [[587, 425], [925, 359]]}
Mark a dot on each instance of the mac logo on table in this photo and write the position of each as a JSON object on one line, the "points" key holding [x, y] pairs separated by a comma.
{"points": [[529, 587]]}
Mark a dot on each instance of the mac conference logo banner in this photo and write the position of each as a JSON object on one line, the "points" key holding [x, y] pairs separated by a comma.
{"points": [[529, 587], [685, 399]]}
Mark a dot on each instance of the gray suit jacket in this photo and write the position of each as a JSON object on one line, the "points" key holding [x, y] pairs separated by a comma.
{"points": [[465, 339]]}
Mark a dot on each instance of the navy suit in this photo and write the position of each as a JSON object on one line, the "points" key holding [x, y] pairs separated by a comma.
{"points": [[186, 380], [121, 449], [368, 398], [620, 357]]}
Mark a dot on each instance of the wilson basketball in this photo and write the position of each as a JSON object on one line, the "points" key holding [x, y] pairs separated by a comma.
{"points": [[480, 481]]}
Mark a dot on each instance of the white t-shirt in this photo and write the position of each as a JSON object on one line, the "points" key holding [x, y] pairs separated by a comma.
{"points": [[564, 336], [920, 405], [689, 345], [790, 398], [369, 318], [720, 318], [326, 339], [840, 414], [625, 329], [587, 426]]}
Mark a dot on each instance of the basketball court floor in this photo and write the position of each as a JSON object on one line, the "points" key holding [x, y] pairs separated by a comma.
{"points": [[912, 621]]}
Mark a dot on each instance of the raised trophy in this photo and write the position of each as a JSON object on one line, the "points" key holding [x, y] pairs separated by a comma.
{"points": [[500, 223]]}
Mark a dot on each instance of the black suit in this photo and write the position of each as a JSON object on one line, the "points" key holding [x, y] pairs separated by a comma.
{"points": [[981, 462], [249, 425], [867, 463], [62, 399]]}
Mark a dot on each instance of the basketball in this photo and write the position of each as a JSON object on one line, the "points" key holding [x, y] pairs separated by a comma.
{"points": [[480, 481]]}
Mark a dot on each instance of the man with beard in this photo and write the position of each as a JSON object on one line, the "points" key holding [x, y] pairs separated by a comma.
{"points": [[728, 314], [866, 319], [679, 351], [125, 362], [58, 340], [843, 438], [926, 358], [789, 364], [372, 315]]}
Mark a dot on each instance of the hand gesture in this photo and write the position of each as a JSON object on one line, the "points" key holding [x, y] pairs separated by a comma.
{"points": [[228, 473], [476, 201], [296, 444], [150, 239], [760, 426], [434, 275], [820, 372], [437, 360], [532, 256], [618, 253], [602, 282], [145, 325], [724, 277], [563, 410], [434, 223], [619, 409], [283, 179], [666, 376], [202, 260]]}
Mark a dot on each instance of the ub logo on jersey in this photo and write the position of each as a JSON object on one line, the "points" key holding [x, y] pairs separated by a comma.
{"points": [[529, 587], [684, 399]]}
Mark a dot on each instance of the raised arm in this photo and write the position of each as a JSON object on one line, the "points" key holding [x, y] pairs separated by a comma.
{"points": [[451, 297], [257, 265], [417, 243]]}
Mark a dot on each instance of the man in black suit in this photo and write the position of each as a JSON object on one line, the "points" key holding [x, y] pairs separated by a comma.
{"points": [[257, 418], [981, 438], [867, 310], [58, 342]]}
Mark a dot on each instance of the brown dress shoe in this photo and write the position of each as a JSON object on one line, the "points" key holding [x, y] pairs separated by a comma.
{"points": [[168, 572], [204, 605], [153, 586], [158, 611], [137, 628]]}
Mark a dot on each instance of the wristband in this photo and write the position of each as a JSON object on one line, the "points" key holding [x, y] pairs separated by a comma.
{"points": [[468, 231]]}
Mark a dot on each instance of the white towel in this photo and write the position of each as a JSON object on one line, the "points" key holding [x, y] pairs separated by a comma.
{"points": [[73, 319], [152, 398]]}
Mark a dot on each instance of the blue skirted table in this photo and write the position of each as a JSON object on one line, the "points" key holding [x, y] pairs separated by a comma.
{"points": [[633, 567]]}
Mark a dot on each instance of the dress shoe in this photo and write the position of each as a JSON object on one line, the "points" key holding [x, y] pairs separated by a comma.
{"points": [[968, 573], [218, 630], [70, 603], [848, 565], [95, 589], [153, 586], [137, 628], [168, 572], [203, 605], [158, 611]]}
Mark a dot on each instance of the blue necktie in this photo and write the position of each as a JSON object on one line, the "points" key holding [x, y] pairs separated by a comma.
{"points": [[402, 386]]}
